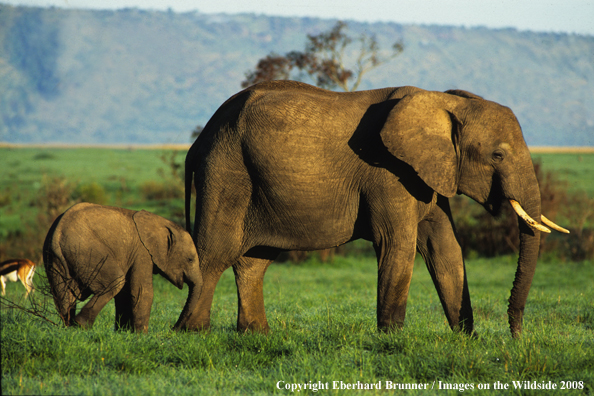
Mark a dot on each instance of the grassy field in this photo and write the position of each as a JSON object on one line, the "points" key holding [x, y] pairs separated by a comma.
{"points": [[575, 169], [120, 174], [322, 315], [322, 319]]}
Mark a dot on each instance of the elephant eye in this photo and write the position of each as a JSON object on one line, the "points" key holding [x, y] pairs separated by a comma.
{"points": [[498, 155]]}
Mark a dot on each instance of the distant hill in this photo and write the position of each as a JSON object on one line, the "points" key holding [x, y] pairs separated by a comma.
{"points": [[134, 76]]}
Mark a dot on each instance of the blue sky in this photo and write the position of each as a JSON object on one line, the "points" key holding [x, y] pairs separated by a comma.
{"points": [[569, 16]]}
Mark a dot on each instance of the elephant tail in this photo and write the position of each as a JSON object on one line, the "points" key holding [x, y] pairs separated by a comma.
{"points": [[189, 177], [193, 159]]}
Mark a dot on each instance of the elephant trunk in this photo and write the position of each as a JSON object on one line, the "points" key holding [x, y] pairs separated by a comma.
{"points": [[195, 289], [528, 255]]}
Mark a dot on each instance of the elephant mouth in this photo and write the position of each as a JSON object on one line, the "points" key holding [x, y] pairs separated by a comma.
{"points": [[494, 208], [545, 224]]}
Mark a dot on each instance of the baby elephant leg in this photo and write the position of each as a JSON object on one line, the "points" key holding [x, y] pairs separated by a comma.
{"points": [[141, 299], [123, 309], [87, 315]]}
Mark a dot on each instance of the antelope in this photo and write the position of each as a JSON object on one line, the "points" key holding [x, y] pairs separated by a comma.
{"points": [[17, 269]]}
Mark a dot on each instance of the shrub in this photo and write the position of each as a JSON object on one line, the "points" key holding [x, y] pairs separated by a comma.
{"points": [[5, 198], [578, 211], [44, 156], [172, 186], [93, 192], [53, 197], [152, 190]]}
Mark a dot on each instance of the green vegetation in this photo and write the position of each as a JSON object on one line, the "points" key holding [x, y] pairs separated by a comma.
{"points": [[135, 76], [322, 315], [115, 176], [323, 328], [575, 171]]}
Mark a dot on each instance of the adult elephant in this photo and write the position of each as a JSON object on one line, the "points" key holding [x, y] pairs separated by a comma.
{"points": [[287, 166]]}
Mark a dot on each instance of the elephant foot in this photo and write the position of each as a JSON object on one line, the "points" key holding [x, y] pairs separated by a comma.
{"points": [[141, 329], [468, 331], [390, 323], [390, 328], [81, 322], [200, 327], [254, 328], [465, 326], [124, 324]]}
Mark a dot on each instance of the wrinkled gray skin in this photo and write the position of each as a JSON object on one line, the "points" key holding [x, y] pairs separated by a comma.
{"points": [[287, 166], [112, 252]]}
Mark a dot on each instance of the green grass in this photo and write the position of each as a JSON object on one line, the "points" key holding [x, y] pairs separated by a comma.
{"points": [[322, 318], [115, 169]]}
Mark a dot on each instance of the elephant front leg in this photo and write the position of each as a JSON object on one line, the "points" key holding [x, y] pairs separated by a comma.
{"points": [[141, 299], [123, 309], [249, 278], [441, 251], [395, 268]]}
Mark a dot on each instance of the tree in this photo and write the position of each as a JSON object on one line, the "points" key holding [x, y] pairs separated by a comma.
{"points": [[324, 60]]}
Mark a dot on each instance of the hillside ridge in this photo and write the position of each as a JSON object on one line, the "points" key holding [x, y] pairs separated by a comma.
{"points": [[149, 77]]}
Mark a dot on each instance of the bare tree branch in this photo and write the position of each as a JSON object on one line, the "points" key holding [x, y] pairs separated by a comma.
{"points": [[323, 60], [35, 310]]}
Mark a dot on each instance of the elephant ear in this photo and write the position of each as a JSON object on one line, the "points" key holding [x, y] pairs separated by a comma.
{"points": [[419, 131], [156, 237]]}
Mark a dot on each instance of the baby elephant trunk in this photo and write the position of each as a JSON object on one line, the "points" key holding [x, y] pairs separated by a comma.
{"points": [[186, 313], [190, 308]]}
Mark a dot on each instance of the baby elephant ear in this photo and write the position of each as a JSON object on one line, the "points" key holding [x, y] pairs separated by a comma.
{"points": [[155, 236], [418, 131]]}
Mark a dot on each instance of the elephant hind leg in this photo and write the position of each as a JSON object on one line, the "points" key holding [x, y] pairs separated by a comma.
{"points": [[249, 278], [87, 315], [66, 305], [64, 297]]}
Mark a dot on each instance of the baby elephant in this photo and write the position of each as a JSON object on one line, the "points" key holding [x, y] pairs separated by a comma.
{"points": [[110, 253]]}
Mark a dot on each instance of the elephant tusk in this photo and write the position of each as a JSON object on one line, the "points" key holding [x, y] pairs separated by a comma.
{"points": [[529, 220], [553, 225]]}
